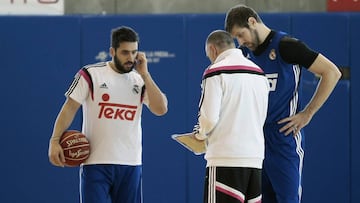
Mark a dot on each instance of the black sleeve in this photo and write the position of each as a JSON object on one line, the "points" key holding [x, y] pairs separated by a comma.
{"points": [[294, 51]]}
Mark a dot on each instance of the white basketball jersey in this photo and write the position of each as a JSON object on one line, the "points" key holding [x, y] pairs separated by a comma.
{"points": [[112, 107]]}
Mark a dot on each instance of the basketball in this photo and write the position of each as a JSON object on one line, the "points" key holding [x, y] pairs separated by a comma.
{"points": [[76, 147]]}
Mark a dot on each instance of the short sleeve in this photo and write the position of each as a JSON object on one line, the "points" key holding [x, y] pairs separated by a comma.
{"points": [[294, 51], [79, 88]]}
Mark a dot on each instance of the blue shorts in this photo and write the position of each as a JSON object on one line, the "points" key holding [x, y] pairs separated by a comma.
{"points": [[282, 167], [110, 183]]}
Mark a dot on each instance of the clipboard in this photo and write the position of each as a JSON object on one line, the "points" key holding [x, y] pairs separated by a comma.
{"points": [[189, 141]]}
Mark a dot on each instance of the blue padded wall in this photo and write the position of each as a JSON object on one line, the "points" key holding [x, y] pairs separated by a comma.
{"points": [[324, 32], [37, 54], [355, 108], [278, 21], [326, 165], [327, 33], [327, 136]]}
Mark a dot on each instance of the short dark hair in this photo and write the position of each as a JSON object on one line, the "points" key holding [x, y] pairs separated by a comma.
{"points": [[123, 34], [221, 39], [239, 16]]}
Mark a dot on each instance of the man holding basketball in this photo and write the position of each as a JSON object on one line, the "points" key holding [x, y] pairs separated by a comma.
{"points": [[281, 57], [111, 95]]}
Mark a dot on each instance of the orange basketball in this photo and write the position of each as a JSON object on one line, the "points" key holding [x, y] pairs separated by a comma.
{"points": [[76, 147]]}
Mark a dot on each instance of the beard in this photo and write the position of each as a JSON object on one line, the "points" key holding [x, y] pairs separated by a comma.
{"points": [[256, 40], [123, 68]]}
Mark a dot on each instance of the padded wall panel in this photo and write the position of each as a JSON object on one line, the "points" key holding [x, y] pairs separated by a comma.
{"points": [[277, 21], [328, 34], [355, 108], [327, 156], [162, 38], [38, 54], [325, 33]]}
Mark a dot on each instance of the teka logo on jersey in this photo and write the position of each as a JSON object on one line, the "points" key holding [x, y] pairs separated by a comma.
{"points": [[116, 111], [272, 80]]}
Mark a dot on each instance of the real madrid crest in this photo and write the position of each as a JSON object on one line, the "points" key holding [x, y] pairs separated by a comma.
{"points": [[272, 54]]}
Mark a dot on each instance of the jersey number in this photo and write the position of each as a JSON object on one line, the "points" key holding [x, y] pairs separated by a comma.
{"points": [[273, 77]]}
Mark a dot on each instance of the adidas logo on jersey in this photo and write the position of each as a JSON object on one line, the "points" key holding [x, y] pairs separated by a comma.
{"points": [[136, 89], [103, 86]]}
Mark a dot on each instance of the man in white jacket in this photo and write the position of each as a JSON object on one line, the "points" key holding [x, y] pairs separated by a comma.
{"points": [[232, 112]]}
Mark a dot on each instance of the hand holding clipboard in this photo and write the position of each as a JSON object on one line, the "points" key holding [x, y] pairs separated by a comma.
{"points": [[189, 141]]}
